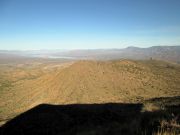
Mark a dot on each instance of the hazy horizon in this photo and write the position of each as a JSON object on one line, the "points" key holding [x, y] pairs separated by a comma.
{"points": [[87, 48]]}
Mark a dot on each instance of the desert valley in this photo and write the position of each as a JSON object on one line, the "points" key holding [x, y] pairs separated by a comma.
{"points": [[94, 88], [89, 67]]}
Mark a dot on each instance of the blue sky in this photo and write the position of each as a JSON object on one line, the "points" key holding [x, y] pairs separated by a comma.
{"points": [[88, 24]]}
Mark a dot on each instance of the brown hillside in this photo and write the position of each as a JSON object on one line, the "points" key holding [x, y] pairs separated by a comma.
{"points": [[90, 82]]}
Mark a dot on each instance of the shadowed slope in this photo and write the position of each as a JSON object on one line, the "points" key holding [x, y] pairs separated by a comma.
{"points": [[74, 119], [93, 119]]}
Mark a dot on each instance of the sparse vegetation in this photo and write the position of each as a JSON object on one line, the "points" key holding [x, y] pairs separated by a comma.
{"points": [[90, 82]]}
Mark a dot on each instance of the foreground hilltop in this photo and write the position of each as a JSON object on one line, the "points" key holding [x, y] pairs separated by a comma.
{"points": [[124, 81], [116, 81], [90, 97]]}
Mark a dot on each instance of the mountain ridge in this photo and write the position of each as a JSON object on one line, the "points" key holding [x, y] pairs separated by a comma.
{"points": [[165, 53]]}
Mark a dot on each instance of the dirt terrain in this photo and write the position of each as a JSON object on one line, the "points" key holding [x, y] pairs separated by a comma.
{"points": [[24, 86]]}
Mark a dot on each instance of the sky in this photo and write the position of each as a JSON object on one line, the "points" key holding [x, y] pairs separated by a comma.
{"points": [[88, 24]]}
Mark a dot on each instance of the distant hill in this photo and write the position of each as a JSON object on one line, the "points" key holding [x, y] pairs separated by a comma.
{"points": [[165, 53]]}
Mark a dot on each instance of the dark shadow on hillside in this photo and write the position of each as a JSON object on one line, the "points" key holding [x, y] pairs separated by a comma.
{"points": [[88, 119]]}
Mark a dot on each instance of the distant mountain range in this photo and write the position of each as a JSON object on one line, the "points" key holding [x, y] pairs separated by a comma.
{"points": [[166, 53]]}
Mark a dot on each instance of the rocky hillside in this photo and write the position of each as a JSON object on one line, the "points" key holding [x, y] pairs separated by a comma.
{"points": [[123, 81]]}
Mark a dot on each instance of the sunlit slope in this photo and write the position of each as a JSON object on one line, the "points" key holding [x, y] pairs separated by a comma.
{"points": [[92, 82], [116, 81]]}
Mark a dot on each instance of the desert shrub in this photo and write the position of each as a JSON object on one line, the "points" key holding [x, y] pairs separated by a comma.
{"points": [[169, 66]]}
